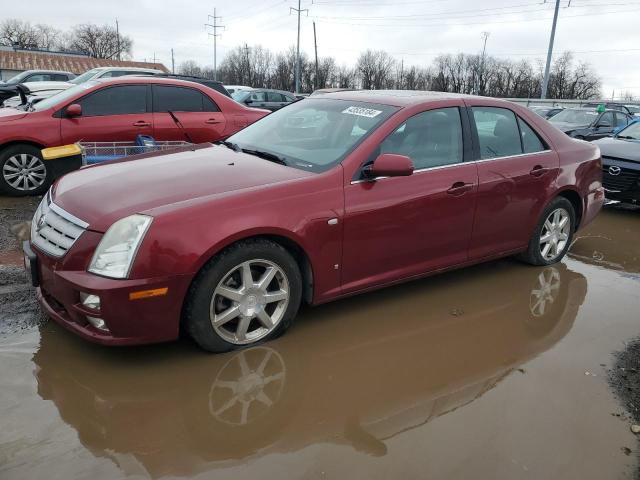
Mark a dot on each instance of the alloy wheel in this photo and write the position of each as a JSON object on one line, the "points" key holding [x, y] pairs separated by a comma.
{"points": [[545, 293], [555, 234], [249, 302], [24, 172]]}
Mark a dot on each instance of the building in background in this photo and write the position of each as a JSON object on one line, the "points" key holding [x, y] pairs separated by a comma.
{"points": [[14, 61]]}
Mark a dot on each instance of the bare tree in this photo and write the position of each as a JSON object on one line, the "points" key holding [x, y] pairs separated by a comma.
{"points": [[16, 33], [375, 69], [48, 37], [98, 41], [190, 67]]}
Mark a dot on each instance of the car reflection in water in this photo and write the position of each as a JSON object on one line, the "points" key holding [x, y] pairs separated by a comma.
{"points": [[357, 372], [611, 242]]}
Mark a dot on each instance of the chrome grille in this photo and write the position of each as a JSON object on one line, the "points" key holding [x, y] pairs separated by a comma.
{"points": [[53, 230]]}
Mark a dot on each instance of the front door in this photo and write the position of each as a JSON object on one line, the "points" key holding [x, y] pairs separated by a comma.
{"points": [[113, 114], [403, 226], [198, 117], [516, 173]]}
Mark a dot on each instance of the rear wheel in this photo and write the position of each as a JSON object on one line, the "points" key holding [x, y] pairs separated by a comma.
{"points": [[247, 294], [24, 172], [553, 233]]}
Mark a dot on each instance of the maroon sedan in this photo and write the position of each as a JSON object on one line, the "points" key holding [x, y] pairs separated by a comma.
{"points": [[325, 198], [108, 111]]}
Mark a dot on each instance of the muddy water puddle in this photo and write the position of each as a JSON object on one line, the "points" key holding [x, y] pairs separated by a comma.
{"points": [[497, 371]]}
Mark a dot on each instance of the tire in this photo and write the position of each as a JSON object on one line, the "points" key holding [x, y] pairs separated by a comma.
{"points": [[225, 311], [534, 253], [39, 176]]}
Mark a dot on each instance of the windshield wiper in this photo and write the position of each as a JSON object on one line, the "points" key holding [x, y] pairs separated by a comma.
{"points": [[233, 146], [627, 137], [266, 155]]}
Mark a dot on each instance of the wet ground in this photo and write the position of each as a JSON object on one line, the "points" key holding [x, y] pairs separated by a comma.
{"points": [[500, 371]]}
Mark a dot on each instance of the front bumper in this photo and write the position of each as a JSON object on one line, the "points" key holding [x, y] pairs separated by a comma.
{"points": [[130, 322]]}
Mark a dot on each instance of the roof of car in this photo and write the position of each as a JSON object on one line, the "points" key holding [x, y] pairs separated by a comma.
{"points": [[46, 71], [137, 69], [184, 77], [398, 98], [144, 79]]}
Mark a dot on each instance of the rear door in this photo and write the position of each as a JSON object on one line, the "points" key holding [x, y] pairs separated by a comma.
{"points": [[198, 114], [516, 171], [112, 114], [275, 101]]}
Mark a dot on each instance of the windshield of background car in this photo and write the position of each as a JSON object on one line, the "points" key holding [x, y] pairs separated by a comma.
{"points": [[240, 95], [632, 132], [314, 134], [62, 96], [634, 109], [88, 75], [576, 117], [17, 78]]}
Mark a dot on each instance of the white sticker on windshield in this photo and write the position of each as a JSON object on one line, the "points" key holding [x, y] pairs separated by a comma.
{"points": [[362, 112]]}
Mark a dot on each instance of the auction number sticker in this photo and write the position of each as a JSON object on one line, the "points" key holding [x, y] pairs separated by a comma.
{"points": [[362, 112]]}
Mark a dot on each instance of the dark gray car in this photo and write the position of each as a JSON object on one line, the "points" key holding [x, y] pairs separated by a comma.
{"points": [[264, 98], [589, 124]]}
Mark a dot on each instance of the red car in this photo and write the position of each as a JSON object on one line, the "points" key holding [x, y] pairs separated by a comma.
{"points": [[325, 198], [111, 110]]}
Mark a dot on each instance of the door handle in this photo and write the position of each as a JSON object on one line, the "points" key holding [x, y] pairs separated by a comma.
{"points": [[212, 121], [459, 188], [538, 171], [141, 123]]}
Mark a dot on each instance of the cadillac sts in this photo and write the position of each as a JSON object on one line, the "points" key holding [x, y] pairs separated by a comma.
{"points": [[325, 198]]}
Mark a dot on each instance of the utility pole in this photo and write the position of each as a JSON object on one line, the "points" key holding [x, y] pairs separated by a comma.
{"points": [[246, 54], [299, 10], [545, 81], [173, 63], [118, 38], [215, 34], [482, 68], [315, 46]]}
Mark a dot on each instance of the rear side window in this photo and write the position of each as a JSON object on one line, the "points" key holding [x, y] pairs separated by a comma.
{"points": [[621, 119], [498, 132], [120, 100], [531, 142], [181, 99], [274, 97]]}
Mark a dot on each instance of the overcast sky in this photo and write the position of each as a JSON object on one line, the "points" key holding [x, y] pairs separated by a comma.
{"points": [[605, 33]]}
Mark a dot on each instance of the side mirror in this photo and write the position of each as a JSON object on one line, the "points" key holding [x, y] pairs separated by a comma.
{"points": [[390, 165], [74, 110]]}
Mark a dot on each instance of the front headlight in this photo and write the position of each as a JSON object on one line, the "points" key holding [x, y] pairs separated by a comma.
{"points": [[117, 249]]}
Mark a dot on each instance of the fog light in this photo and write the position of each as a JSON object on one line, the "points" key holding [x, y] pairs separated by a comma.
{"points": [[98, 323], [90, 301]]}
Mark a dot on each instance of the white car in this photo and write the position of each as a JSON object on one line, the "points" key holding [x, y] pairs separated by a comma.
{"points": [[38, 91], [236, 88], [112, 72]]}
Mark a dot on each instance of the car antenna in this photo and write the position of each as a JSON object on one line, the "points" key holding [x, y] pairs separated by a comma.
{"points": [[177, 122]]}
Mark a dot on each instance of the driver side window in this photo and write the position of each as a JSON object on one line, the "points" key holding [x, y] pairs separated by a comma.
{"points": [[431, 139]]}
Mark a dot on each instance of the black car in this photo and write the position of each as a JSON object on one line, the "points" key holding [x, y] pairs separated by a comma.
{"points": [[264, 98], [588, 123], [621, 164], [40, 76], [216, 85], [611, 106], [546, 112]]}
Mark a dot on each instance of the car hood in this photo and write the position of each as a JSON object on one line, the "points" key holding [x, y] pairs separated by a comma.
{"points": [[102, 194], [10, 114], [567, 127], [619, 148]]}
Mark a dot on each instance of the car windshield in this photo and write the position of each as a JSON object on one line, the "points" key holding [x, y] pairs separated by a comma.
{"points": [[314, 134], [88, 75], [633, 108], [576, 117], [632, 132], [17, 78], [62, 96], [240, 95]]}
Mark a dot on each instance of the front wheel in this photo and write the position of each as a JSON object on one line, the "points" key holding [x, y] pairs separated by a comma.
{"points": [[553, 233], [23, 171], [247, 294]]}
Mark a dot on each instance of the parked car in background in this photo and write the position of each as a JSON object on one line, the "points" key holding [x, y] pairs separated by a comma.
{"points": [[113, 72], [545, 111], [234, 88], [634, 110], [589, 124], [40, 76], [611, 106], [37, 91], [264, 98], [226, 242], [621, 164], [216, 85], [111, 110]]}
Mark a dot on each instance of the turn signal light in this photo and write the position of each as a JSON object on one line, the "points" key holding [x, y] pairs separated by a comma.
{"points": [[156, 292]]}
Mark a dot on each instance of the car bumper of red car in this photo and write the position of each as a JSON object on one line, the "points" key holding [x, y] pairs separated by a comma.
{"points": [[594, 203], [134, 312]]}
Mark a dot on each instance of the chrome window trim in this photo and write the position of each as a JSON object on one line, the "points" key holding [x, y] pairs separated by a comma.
{"points": [[439, 167]]}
